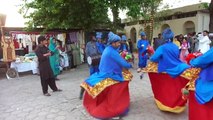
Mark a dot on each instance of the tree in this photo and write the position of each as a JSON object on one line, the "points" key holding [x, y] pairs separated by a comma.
{"points": [[85, 14], [65, 14], [145, 9], [211, 16]]}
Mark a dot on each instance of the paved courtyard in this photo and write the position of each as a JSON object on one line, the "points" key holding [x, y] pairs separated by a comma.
{"points": [[22, 99]]}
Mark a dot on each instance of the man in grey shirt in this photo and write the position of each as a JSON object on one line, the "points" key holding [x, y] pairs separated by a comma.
{"points": [[92, 50]]}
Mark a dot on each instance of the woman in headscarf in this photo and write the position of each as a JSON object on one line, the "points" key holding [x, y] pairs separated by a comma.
{"points": [[165, 80], [106, 92], [54, 59]]}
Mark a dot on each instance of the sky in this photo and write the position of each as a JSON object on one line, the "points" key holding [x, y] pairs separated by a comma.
{"points": [[14, 19], [9, 7]]}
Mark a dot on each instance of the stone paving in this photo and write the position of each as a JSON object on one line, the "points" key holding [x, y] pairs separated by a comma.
{"points": [[22, 99]]}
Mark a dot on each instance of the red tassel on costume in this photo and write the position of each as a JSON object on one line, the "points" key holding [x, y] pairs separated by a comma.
{"points": [[191, 56], [150, 50]]}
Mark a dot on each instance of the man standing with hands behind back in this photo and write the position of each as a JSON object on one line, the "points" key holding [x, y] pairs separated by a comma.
{"points": [[46, 73]]}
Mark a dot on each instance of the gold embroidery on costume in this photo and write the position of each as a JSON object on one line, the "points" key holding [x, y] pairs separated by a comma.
{"points": [[190, 74], [99, 87], [151, 67], [127, 75], [176, 109]]}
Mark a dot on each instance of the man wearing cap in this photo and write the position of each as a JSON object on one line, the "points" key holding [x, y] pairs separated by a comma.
{"points": [[92, 50], [142, 46], [124, 46], [167, 55], [166, 83], [46, 73], [99, 43], [106, 92]]}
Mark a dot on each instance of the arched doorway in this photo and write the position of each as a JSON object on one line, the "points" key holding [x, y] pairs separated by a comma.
{"points": [[189, 27], [141, 30], [164, 26], [133, 36]]}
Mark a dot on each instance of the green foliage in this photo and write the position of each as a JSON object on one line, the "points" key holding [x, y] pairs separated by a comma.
{"points": [[83, 14], [143, 8], [205, 5], [65, 14]]}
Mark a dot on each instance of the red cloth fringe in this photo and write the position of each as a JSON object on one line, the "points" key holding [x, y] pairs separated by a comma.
{"points": [[198, 111], [112, 102], [167, 90]]}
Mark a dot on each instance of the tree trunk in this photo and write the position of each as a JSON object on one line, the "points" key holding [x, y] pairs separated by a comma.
{"points": [[115, 14], [211, 16], [115, 18], [151, 26]]}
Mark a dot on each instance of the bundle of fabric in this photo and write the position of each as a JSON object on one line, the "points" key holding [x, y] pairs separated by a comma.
{"points": [[191, 56], [150, 50], [127, 56]]}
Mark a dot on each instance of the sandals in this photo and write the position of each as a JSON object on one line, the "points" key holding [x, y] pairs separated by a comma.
{"points": [[58, 90], [47, 94]]}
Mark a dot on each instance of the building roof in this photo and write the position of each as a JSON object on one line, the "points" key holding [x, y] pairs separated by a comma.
{"points": [[189, 8], [185, 9]]}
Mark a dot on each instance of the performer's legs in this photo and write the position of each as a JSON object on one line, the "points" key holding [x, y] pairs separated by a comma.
{"points": [[51, 83], [44, 86], [93, 69], [81, 93]]}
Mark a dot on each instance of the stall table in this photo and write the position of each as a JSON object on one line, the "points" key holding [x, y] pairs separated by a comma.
{"points": [[25, 66]]}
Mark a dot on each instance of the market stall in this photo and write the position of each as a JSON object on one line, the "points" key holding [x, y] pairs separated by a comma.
{"points": [[24, 43], [26, 63]]}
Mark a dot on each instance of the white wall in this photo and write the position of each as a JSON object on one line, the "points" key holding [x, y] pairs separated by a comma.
{"points": [[203, 21], [177, 25]]}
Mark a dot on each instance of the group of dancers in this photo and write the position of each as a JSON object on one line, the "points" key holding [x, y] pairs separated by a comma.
{"points": [[173, 82]]}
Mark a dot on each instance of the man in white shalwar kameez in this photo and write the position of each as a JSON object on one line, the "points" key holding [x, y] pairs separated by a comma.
{"points": [[204, 43]]}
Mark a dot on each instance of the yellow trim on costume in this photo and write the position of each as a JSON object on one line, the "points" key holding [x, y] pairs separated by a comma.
{"points": [[151, 67], [127, 75], [190, 74], [99, 87], [177, 109]]}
